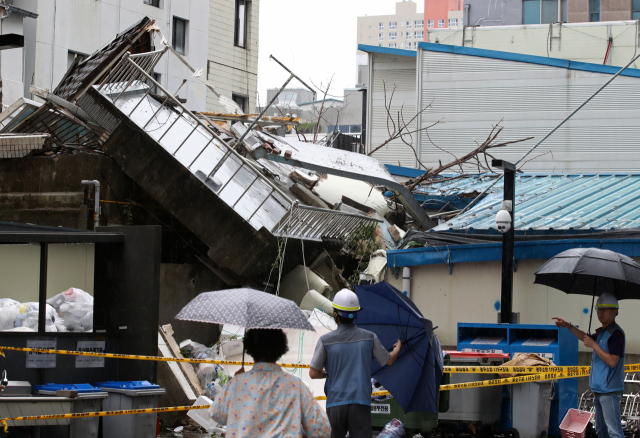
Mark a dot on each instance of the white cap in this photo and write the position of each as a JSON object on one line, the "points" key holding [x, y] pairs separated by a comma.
{"points": [[346, 300], [607, 301]]}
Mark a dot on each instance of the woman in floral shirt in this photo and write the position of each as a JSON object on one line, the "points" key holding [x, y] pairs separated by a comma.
{"points": [[267, 402]]}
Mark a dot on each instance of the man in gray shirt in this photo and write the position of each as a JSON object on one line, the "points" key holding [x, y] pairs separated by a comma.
{"points": [[347, 356]]}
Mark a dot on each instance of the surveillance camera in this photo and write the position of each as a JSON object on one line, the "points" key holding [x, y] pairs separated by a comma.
{"points": [[503, 221]]}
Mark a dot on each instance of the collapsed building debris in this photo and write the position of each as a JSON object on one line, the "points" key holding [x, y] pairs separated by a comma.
{"points": [[237, 190]]}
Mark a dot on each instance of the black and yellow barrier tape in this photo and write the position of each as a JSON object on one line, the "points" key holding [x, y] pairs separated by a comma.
{"points": [[499, 382], [3, 421], [137, 357], [447, 369], [494, 382]]}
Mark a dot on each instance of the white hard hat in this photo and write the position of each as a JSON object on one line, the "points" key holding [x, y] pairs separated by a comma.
{"points": [[607, 301], [346, 300]]}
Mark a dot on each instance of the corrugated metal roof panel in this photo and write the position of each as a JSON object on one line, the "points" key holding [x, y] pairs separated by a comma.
{"points": [[548, 201]]}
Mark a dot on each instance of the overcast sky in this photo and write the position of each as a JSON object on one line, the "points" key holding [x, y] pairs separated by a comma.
{"points": [[316, 39]]}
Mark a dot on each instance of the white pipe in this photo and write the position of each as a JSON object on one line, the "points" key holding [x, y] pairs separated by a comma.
{"points": [[96, 208], [406, 281]]}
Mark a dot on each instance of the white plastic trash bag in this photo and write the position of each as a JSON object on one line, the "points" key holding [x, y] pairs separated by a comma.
{"points": [[28, 317], [9, 310], [75, 306]]}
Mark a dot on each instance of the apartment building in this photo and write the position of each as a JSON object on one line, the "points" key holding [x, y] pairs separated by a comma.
{"points": [[218, 36], [402, 30], [443, 14], [489, 13]]}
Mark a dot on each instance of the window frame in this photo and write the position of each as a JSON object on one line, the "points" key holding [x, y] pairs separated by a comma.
{"points": [[245, 100], [240, 31], [430, 24], [594, 17], [440, 23], [174, 34], [409, 35], [419, 24], [393, 45], [393, 36], [453, 22], [419, 34], [393, 25], [380, 26], [409, 24], [154, 3], [381, 36]]}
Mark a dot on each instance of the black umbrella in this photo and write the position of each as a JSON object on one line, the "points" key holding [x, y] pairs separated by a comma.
{"points": [[592, 271]]}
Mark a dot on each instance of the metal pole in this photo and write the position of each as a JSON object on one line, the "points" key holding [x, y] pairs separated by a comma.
{"points": [[96, 208], [264, 110], [298, 78], [42, 291], [508, 243]]}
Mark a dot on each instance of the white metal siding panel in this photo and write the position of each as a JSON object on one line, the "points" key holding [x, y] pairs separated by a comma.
{"points": [[390, 71], [471, 94]]}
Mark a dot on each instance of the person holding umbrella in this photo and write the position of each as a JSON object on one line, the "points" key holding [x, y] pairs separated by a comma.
{"points": [[607, 365], [347, 356]]}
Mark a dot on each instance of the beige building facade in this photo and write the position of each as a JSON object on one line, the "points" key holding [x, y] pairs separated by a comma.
{"points": [[402, 30]]}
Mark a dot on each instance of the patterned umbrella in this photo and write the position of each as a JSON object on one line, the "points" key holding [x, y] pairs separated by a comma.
{"points": [[247, 308]]}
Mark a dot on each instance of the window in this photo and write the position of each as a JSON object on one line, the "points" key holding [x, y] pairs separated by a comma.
{"points": [[401, 34], [393, 25], [419, 35], [544, 11], [402, 45], [430, 23], [393, 35], [380, 26], [242, 8], [380, 37], [635, 10], [409, 23], [594, 10], [408, 35], [180, 35], [409, 45], [419, 24], [392, 45], [453, 22], [71, 56], [441, 23], [155, 3], [380, 45], [240, 100]]}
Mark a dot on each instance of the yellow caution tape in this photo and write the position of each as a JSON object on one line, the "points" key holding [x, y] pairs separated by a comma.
{"points": [[100, 414], [514, 380], [131, 356], [519, 370], [529, 370]]}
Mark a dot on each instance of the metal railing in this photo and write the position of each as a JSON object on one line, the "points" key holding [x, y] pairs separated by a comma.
{"points": [[303, 222], [296, 221]]}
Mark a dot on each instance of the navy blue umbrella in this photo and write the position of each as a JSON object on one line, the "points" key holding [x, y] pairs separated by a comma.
{"points": [[414, 378]]}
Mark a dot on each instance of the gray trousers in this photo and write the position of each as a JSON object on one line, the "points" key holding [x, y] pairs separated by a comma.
{"points": [[355, 419]]}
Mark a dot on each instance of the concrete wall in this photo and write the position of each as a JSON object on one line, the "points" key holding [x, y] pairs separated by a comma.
{"points": [[11, 62], [472, 294], [231, 69], [179, 284], [69, 265]]}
